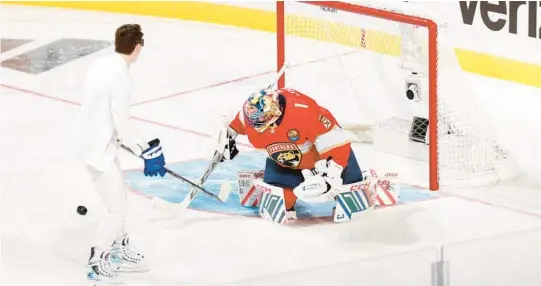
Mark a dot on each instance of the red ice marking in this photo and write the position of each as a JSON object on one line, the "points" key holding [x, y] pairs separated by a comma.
{"points": [[171, 127], [204, 87], [39, 94], [242, 78], [134, 118]]}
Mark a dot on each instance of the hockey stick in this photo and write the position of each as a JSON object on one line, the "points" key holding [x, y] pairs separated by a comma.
{"points": [[279, 75], [222, 196], [225, 188], [227, 185]]}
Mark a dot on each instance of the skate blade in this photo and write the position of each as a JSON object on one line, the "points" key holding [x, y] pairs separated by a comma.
{"points": [[106, 282], [132, 268]]}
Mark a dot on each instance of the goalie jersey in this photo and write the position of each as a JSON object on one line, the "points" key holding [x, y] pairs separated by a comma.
{"points": [[303, 134]]}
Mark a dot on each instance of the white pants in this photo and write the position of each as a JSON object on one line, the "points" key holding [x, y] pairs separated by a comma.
{"points": [[110, 186]]}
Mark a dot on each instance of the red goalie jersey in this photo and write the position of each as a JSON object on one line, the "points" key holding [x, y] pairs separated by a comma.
{"points": [[302, 134]]}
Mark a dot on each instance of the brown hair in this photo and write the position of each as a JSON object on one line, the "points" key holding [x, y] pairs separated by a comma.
{"points": [[127, 37]]}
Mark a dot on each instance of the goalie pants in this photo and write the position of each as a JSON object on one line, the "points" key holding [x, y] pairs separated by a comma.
{"points": [[110, 186], [290, 178]]}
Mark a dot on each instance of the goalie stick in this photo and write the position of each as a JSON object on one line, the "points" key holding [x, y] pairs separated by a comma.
{"points": [[222, 196], [280, 73], [225, 188]]}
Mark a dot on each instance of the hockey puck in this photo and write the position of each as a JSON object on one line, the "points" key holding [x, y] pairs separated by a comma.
{"points": [[82, 210]]}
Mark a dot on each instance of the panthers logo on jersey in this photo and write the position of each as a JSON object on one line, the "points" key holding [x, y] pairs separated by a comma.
{"points": [[285, 154]]}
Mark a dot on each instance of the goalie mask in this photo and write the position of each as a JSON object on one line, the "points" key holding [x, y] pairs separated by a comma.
{"points": [[262, 109]]}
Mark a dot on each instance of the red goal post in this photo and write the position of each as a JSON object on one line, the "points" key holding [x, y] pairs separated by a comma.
{"points": [[433, 96]]}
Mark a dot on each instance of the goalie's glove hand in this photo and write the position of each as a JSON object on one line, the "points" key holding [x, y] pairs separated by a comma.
{"points": [[154, 159], [321, 184], [227, 146]]}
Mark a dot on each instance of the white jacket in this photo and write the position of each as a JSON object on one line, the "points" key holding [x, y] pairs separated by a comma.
{"points": [[103, 119]]}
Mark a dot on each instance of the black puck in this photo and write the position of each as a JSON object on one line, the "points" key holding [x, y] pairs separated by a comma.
{"points": [[82, 210]]}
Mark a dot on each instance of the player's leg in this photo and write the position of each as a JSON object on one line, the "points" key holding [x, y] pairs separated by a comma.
{"points": [[285, 178], [123, 255], [111, 239], [107, 184]]}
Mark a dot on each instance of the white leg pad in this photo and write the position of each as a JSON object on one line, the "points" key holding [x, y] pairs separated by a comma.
{"points": [[356, 198], [272, 205], [387, 192], [359, 197], [385, 187], [248, 195]]}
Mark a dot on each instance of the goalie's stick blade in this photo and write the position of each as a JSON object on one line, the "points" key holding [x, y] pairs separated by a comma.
{"points": [[225, 191], [194, 185], [191, 195]]}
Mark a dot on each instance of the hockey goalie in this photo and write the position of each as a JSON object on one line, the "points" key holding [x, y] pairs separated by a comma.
{"points": [[309, 155]]}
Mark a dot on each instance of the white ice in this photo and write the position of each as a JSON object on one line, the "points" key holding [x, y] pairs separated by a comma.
{"points": [[44, 241]]}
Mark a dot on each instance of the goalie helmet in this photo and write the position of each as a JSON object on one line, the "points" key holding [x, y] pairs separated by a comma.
{"points": [[262, 109]]}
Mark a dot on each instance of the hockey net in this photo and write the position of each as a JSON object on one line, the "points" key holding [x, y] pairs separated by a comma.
{"points": [[390, 77]]}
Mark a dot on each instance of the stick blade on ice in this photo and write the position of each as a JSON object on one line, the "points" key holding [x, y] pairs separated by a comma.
{"points": [[225, 191]]}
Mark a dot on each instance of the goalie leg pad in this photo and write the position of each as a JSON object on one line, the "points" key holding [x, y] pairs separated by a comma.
{"points": [[355, 199], [248, 194], [385, 188], [387, 193], [284, 177], [272, 203]]}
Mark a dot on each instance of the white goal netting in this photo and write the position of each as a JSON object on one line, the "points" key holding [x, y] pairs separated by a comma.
{"points": [[361, 67]]}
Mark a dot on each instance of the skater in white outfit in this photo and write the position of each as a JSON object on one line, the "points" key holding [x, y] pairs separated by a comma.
{"points": [[101, 127]]}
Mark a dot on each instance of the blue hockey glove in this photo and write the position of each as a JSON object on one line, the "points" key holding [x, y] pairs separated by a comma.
{"points": [[154, 159]]}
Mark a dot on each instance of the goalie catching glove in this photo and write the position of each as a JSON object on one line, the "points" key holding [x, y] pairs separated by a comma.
{"points": [[321, 184], [227, 146]]}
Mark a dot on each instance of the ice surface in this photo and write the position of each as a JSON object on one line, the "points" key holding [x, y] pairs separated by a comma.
{"points": [[45, 242]]}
